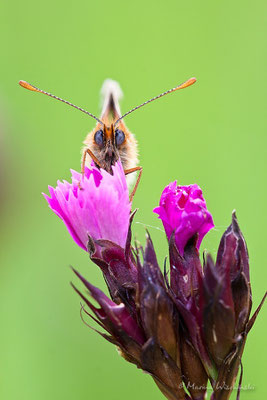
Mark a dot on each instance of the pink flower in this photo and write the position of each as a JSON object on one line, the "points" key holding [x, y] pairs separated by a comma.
{"points": [[183, 211], [96, 205]]}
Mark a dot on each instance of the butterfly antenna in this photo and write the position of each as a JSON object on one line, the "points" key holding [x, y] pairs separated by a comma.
{"points": [[28, 86], [184, 85]]}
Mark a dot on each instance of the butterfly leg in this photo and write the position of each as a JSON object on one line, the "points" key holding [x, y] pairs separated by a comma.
{"points": [[87, 151], [91, 154], [129, 171]]}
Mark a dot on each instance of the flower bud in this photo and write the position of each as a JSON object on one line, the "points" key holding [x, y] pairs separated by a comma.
{"points": [[183, 211], [158, 313], [194, 374], [218, 313], [227, 307]]}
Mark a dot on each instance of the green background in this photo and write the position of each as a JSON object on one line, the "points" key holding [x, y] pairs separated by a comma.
{"points": [[212, 133]]}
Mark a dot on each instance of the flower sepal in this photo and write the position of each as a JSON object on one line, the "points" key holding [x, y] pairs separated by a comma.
{"points": [[118, 267]]}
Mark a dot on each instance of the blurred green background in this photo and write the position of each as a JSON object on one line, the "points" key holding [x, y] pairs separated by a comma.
{"points": [[212, 133]]}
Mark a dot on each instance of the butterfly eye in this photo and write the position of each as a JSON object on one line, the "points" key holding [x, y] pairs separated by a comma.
{"points": [[119, 137], [99, 138]]}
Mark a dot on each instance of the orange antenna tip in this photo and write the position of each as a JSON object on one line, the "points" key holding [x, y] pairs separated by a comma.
{"points": [[187, 83], [28, 86]]}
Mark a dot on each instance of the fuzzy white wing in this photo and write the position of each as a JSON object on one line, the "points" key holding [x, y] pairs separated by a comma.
{"points": [[111, 90]]}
